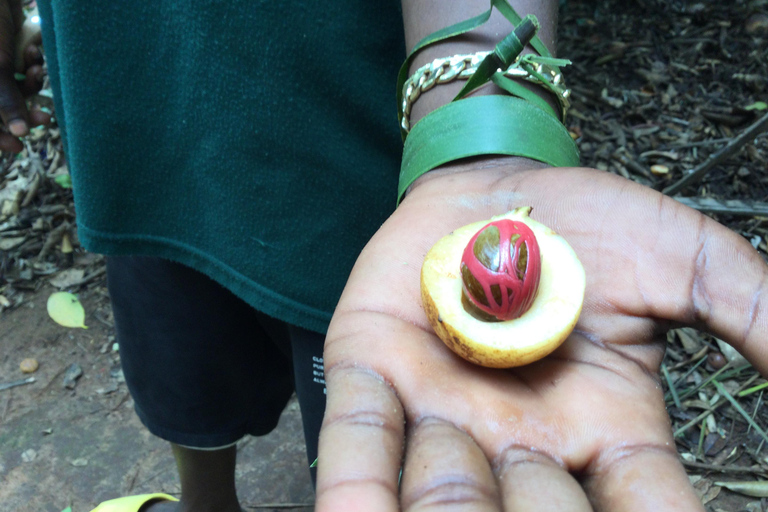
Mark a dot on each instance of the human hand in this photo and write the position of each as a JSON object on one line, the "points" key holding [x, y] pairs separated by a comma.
{"points": [[15, 116], [585, 427]]}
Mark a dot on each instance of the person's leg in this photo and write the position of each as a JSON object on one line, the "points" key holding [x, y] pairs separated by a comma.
{"points": [[201, 370], [207, 481], [309, 382]]}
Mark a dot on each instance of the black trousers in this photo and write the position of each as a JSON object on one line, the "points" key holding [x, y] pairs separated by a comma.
{"points": [[203, 367]]}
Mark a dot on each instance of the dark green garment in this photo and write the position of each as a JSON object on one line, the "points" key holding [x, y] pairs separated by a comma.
{"points": [[255, 141]]}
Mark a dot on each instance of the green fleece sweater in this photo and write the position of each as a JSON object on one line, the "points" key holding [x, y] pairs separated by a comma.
{"points": [[255, 141]]}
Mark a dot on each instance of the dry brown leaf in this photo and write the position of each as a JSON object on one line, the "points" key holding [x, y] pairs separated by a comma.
{"points": [[711, 494], [689, 339], [755, 488], [731, 354], [6, 244], [67, 278]]}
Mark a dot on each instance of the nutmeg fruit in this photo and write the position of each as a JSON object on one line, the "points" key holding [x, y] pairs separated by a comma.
{"points": [[522, 300]]}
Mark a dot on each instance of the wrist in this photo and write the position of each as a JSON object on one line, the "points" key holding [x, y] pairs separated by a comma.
{"points": [[484, 127], [497, 165]]}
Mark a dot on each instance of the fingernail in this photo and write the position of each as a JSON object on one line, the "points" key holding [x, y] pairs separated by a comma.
{"points": [[18, 128]]}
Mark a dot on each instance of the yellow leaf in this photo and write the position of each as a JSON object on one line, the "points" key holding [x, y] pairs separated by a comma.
{"points": [[758, 489], [65, 309]]}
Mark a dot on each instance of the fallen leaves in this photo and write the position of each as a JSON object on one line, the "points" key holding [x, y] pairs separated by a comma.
{"points": [[67, 278], [65, 309], [756, 489]]}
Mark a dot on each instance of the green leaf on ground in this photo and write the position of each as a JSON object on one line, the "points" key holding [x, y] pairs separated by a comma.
{"points": [[64, 180], [758, 105], [65, 309]]}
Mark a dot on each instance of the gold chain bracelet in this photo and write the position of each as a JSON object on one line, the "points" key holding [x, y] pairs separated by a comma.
{"points": [[461, 67]]}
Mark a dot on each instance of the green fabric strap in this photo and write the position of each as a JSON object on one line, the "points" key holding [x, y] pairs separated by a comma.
{"points": [[484, 125]]}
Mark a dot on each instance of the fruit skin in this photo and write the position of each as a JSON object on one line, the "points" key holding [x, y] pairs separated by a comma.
{"points": [[538, 332]]}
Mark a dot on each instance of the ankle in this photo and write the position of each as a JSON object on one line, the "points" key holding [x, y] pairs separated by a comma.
{"points": [[206, 505]]}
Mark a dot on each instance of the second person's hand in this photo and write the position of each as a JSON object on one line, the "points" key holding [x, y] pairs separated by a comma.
{"points": [[16, 118]]}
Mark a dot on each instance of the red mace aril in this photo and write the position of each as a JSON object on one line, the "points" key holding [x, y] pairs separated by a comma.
{"points": [[500, 271]]}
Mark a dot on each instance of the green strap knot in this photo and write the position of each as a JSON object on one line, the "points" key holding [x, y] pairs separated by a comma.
{"points": [[503, 56]]}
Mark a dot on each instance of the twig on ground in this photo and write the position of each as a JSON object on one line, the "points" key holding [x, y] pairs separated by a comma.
{"points": [[729, 206], [754, 413], [738, 407], [724, 469], [53, 238], [703, 383], [15, 383], [90, 277], [671, 385], [682, 378], [698, 144], [734, 145], [682, 430]]}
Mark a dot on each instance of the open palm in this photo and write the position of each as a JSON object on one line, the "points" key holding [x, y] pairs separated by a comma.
{"points": [[583, 428]]}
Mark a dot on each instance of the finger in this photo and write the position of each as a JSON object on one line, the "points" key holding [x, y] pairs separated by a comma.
{"points": [[39, 118], [445, 470], [32, 82], [13, 110], [640, 479], [702, 273], [10, 143], [32, 54], [361, 444], [730, 293], [648, 256], [531, 481]]}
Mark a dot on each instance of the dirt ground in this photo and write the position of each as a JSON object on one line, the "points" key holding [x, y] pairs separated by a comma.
{"points": [[62, 447], [659, 87]]}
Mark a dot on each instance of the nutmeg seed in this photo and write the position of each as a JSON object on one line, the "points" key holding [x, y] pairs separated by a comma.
{"points": [[716, 360], [500, 271]]}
